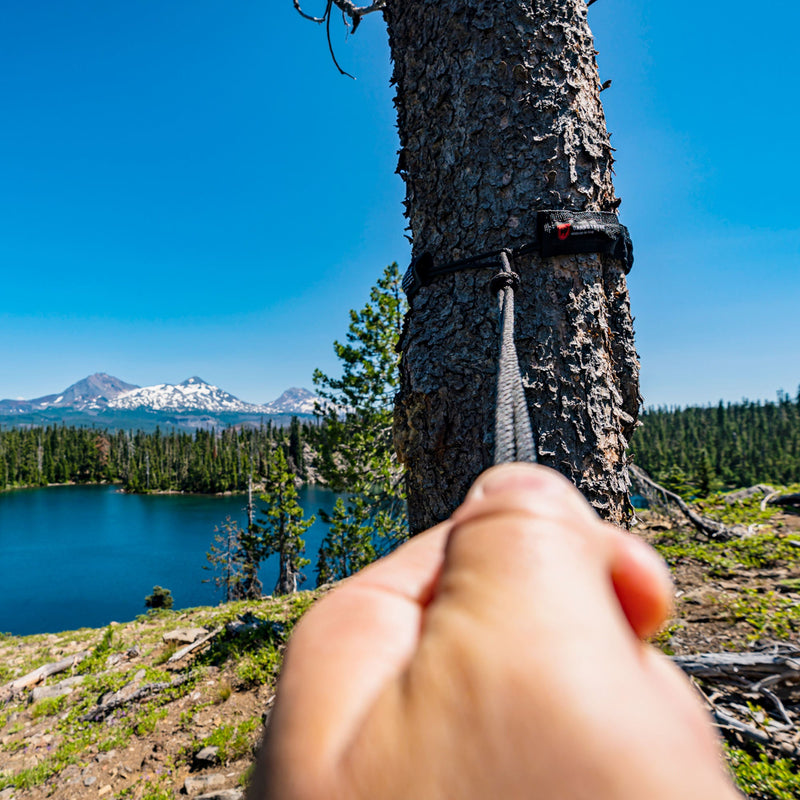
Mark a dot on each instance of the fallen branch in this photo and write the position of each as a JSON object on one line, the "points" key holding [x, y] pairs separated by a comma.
{"points": [[752, 666], [707, 526], [184, 651], [42, 673], [100, 712], [731, 722], [785, 500], [746, 494]]}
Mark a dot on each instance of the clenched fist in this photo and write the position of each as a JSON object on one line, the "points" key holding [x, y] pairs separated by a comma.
{"points": [[498, 655]]}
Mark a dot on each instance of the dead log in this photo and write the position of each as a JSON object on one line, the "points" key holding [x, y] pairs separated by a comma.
{"points": [[101, 711], [725, 681], [642, 482], [746, 494], [785, 500], [753, 667], [43, 673]]}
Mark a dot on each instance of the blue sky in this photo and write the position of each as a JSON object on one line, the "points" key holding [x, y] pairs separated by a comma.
{"points": [[192, 189]]}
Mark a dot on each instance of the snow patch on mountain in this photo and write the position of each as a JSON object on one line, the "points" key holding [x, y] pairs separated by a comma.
{"points": [[100, 394], [193, 394]]}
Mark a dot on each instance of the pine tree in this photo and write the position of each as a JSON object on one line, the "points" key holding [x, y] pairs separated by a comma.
{"points": [[225, 558], [357, 451], [348, 545], [296, 448], [282, 525]]}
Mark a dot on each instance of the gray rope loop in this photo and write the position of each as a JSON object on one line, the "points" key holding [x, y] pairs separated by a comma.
{"points": [[513, 435], [503, 279]]}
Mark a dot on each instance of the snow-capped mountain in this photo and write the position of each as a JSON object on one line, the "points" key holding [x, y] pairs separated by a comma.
{"points": [[106, 400], [92, 393], [193, 394], [296, 401]]}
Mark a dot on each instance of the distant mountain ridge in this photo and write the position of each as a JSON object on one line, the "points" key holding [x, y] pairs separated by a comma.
{"points": [[196, 403], [93, 392]]}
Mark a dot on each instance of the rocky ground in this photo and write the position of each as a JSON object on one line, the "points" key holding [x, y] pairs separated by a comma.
{"points": [[129, 714], [133, 718]]}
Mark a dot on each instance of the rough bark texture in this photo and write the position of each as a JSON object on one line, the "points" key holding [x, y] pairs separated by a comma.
{"points": [[499, 116]]}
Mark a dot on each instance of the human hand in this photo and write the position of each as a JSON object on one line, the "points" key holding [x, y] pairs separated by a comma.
{"points": [[497, 655]]}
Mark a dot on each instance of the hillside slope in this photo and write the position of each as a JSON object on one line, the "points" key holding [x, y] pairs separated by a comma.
{"points": [[136, 725]]}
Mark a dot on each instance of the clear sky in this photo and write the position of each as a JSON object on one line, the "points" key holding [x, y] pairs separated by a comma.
{"points": [[190, 188]]}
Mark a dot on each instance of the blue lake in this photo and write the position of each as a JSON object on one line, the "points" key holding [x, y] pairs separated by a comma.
{"points": [[82, 556]]}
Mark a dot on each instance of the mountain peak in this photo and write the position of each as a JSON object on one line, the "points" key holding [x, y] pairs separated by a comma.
{"points": [[296, 400], [101, 393]]}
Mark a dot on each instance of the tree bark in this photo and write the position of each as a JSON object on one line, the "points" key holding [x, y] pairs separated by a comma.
{"points": [[499, 116]]}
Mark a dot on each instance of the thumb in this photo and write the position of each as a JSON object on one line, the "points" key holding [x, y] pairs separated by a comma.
{"points": [[526, 546]]}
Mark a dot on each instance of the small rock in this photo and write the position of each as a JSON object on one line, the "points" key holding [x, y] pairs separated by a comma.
{"points": [[184, 635], [208, 755], [46, 692], [89, 780], [202, 783], [222, 794], [105, 790], [7, 794]]}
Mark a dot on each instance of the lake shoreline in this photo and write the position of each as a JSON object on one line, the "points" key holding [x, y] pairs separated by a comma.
{"points": [[228, 493]]}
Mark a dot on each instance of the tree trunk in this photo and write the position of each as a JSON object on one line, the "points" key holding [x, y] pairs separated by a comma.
{"points": [[499, 116]]}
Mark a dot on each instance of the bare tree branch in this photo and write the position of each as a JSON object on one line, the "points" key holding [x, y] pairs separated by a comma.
{"points": [[330, 44], [355, 12], [308, 16], [347, 8]]}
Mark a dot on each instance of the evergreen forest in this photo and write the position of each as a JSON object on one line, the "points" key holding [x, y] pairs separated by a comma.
{"points": [[697, 450], [207, 461]]}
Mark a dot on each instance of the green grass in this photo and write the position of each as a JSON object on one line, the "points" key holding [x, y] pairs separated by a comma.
{"points": [[768, 613], [763, 778], [234, 741], [49, 707], [723, 559]]}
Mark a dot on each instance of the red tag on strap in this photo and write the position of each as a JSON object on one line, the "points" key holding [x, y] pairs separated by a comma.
{"points": [[564, 231]]}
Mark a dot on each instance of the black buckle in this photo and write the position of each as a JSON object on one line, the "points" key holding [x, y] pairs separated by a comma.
{"points": [[418, 274]]}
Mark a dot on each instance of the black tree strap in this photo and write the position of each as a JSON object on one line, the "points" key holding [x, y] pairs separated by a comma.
{"points": [[558, 232], [513, 436]]}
